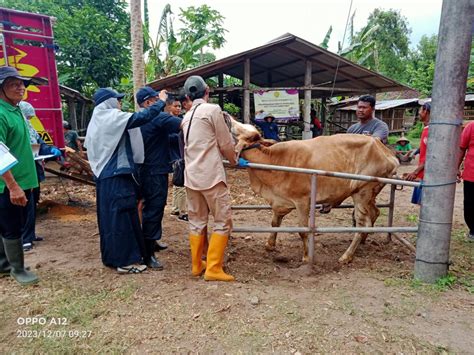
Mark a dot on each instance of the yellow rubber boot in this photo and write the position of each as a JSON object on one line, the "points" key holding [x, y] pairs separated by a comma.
{"points": [[215, 259], [197, 245]]}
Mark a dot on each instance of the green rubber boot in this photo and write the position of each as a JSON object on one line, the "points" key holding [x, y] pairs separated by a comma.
{"points": [[14, 253], [4, 264]]}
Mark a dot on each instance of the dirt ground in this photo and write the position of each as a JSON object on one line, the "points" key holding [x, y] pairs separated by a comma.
{"points": [[275, 306]]}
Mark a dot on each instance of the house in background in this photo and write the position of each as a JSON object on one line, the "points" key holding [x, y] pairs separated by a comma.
{"points": [[399, 115]]}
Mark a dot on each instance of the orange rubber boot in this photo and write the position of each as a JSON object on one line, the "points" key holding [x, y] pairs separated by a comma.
{"points": [[215, 259], [197, 245]]}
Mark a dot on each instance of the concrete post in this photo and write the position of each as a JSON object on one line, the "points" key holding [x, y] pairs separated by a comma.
{"points": [[452, 61], [221, 94], [307, 134]]}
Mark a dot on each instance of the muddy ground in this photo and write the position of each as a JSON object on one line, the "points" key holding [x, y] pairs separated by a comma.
{"points": [[276, 305]]}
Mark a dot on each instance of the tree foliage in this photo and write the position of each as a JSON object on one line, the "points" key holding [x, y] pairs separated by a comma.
{"points": [[421, 65], [202, 24], [93, 38], [470, 76], [382, 44], [325, 43], [172, 52]]}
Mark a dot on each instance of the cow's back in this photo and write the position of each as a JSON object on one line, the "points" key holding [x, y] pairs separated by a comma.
{"points": [[348, 153]]}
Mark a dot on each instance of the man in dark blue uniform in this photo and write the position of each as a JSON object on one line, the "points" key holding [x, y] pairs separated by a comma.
{"points": [[153, 173]]}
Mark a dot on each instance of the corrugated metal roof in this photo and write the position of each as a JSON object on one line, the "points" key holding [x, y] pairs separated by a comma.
{"points": [[385, 105], [469, 98], [281, 63]]}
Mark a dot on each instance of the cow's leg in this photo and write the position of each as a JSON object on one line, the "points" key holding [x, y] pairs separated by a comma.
{"points": [[303, 213], [372, 209], [365, 213], [276, 222]]}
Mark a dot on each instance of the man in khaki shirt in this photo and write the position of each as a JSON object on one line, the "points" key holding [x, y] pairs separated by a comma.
{"points": [[208, 142]]}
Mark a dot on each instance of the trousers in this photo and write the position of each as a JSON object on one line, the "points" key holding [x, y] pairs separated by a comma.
{"points": [[469, 205], [179, 200], [154, 190], [215, 201], [12, 217]]}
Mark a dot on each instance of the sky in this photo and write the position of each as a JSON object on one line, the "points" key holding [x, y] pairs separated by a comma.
{"points": [[253, 23]]}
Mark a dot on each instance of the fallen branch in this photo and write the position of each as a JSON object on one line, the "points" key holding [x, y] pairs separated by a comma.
{"points": [[404, 242], [69, 176]]}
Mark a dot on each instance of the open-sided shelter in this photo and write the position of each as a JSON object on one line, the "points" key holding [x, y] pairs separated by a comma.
{"points": [[287, 62]]}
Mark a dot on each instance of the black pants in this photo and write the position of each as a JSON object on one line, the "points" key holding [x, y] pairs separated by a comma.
{"points": [[28, 233], [12, 217], [469, 205], [154, 190]]}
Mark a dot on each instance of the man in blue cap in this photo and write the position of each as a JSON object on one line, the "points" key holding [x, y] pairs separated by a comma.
{"points": [[110, 155], [17, 183], [153, 173]]}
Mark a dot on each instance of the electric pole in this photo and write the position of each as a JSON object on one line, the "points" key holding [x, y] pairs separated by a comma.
{"points": [[449, 90]]}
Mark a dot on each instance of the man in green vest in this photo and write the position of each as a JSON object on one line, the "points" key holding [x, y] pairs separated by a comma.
{"points": [[17, 183]]}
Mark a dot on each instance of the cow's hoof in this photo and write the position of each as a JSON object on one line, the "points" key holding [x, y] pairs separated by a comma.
{"points": [[345, 259], [305, 259], [269, 247]]}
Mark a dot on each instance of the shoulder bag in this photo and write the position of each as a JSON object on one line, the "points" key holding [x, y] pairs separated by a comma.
{"points": [[178, 165]]}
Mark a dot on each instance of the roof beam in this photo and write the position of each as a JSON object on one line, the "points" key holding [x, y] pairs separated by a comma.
{"points": [[328, 67]]}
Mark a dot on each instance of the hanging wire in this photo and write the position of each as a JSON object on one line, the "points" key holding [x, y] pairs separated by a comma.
{"points": [[342, 46], [337, 68]]}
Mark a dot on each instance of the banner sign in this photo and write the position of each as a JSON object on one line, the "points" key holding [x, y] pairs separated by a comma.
{"points": [[282, 104]]}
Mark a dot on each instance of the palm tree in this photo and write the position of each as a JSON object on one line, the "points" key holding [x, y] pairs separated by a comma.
{"points": [[136, 30]]}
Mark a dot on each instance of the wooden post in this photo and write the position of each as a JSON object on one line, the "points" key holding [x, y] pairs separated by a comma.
{"points": [[83, 116], [71, 105], [221, 94], [323, 115], [307, 134], [246, 98]]}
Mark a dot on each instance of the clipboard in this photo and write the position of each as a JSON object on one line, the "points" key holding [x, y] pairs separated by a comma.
{"points": [[7, 160]]}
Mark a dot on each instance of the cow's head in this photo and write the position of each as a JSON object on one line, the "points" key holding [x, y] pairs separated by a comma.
{"points": [[246, 135]]}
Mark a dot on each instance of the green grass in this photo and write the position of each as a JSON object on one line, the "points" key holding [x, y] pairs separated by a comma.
{"points": [[460, 276]]}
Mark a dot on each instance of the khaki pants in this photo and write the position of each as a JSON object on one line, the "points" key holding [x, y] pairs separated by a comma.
{"points": [[179, 200], [215, 200]]}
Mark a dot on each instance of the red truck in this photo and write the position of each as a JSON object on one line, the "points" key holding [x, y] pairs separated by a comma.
{"points": [[27, 43]]}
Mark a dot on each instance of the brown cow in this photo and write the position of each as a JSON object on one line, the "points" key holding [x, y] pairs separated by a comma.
{"points": [[285, 191]]}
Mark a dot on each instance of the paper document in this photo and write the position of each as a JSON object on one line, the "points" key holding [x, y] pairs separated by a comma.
{"points": [[7, 160]]}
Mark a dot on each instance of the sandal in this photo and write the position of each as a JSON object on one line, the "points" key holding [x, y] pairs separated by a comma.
{"points": [[131, 269]]}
